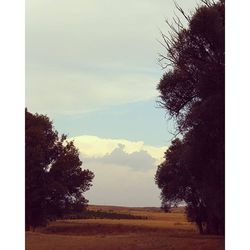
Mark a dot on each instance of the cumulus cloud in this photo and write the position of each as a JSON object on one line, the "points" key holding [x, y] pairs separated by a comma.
{"points": [[93, 147], [124, 170], [136, 160], [140, 160]]}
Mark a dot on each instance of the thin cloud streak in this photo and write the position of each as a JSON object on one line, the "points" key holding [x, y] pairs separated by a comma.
{"points": [[87, 55]]}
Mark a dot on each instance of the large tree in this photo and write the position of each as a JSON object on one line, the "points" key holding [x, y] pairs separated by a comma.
{"points": [[192, 91], [54, 179]]}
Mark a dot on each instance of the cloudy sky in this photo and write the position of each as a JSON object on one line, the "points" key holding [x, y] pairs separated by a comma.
{"points": [[91, 66]]}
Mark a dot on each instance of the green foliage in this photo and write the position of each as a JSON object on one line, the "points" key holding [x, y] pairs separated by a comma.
{"points": [[54, 179], [192, 91]]}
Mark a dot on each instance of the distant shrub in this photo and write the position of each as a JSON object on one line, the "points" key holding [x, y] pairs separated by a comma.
{"points": [[88, 214]]}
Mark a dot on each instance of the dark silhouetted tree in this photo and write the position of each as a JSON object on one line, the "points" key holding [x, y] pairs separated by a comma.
{"points": [[54, 179], [192, 92]]}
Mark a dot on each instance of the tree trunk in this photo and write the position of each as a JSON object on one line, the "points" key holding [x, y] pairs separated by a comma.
{"points": [[199, 224]]}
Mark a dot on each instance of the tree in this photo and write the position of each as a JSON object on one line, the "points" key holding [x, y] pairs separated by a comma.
{"points": [[192, 92], [54, 180]]}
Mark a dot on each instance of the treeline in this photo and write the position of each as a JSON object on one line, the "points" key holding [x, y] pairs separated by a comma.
{"points": [[192, 91], [99, 214], [55, 181]]}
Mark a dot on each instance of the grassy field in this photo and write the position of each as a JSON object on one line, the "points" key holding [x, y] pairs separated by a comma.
{"points": [[158, 230]]}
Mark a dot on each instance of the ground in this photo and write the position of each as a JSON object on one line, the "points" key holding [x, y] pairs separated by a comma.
{"points": [[160, 230]]}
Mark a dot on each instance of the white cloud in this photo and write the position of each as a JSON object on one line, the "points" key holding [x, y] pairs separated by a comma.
{"points": [[124, 170], [140, 160], [122, 186], [93, 146]]}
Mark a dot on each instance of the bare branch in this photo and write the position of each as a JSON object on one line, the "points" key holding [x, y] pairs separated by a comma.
{"points": [[178, 22], [162, 57], [171, 26], [182, 11], [206, 2], [174, 134]]}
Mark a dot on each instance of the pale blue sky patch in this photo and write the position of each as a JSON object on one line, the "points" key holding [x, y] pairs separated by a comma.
{"points": [[134, 121]]}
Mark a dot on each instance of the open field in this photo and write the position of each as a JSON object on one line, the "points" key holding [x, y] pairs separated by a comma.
{"points": [[159, 231]]}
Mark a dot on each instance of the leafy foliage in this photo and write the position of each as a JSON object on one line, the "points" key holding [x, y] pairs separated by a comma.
{"points": [[192, 92], [54, 179]]}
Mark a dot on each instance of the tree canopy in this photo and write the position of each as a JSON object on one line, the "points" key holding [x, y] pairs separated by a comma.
{"points": [[192, 92], [54, 179]]}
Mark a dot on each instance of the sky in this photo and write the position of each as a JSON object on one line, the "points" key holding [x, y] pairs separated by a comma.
{"points": [[91, 66]]}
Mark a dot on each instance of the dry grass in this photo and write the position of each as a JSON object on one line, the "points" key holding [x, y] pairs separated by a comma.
{"points": [[159, 231]]}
